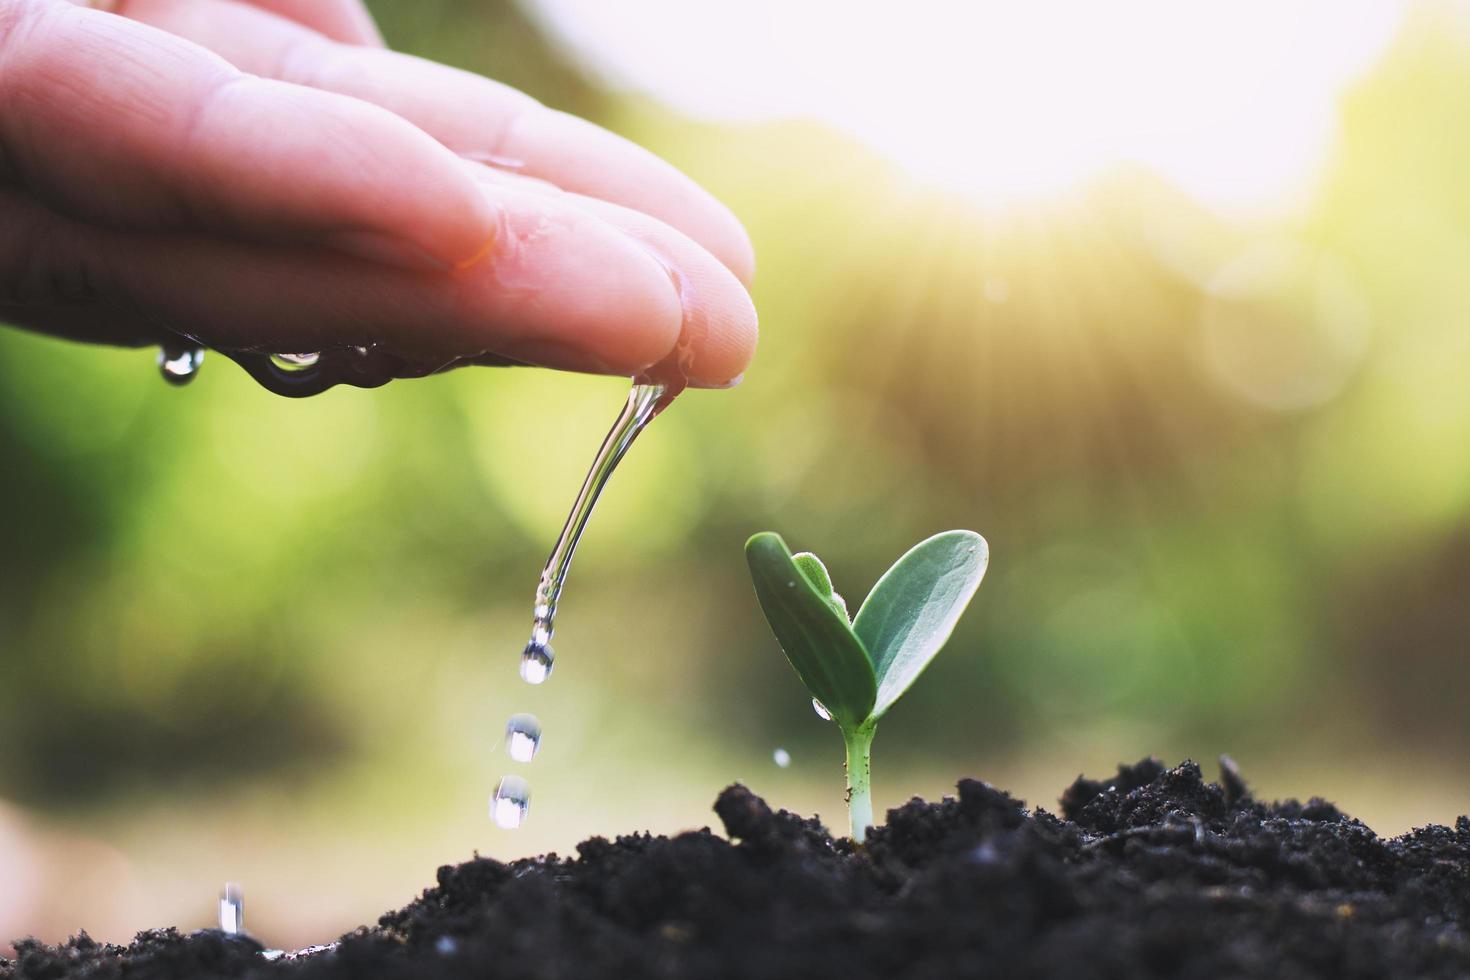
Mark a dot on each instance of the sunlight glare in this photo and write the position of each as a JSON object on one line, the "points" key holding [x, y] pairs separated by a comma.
{"points": [[1236, 103]]}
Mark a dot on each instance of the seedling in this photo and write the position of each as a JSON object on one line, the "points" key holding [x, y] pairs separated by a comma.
{"points": [[856, 668]]}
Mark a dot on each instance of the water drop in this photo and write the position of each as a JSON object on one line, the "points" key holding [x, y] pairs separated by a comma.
{"points": [[294, 363], [232, 909], [179, 364], [523, 736], [821, 710], [781, 757], [536, 661], [289, 956], [313, 951], [511, 800]]}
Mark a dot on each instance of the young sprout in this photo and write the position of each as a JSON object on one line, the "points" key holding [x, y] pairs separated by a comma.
{"points": [[857, 667]]}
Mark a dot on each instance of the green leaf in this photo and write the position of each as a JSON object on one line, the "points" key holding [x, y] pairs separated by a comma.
{"points": [[827, 655], [914, 607], [814, 570], [821, 581]]}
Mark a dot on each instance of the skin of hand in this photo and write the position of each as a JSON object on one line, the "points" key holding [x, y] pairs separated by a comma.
{"points": [[266, 176]]}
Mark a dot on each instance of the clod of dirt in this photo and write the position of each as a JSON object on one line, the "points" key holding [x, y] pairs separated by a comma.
{"points": [[1154, 872]]}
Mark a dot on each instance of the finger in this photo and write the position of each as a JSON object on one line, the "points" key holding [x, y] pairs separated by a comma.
{"points": [[719, 329], [122, 124], [471, 115], [564, 289], [92, 323], [347, 21]]}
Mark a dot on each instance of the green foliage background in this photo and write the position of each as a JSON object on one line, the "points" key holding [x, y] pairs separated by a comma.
{"points": [[1222, 470]]}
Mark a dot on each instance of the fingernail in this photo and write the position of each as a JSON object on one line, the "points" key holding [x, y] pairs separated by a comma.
{"points": [[384, 250]]}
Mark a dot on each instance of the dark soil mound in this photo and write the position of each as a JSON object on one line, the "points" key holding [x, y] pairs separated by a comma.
{"points": [[1153, 873]]}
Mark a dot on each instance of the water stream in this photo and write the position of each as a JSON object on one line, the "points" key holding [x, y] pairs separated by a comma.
{"points": [[305, 374], [512, 797]]}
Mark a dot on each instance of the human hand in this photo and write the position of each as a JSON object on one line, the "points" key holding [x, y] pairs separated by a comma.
{"points": [[265, 176]]}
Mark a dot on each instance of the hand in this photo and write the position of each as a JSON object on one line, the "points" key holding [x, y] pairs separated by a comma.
{"points": [[265, 176]]}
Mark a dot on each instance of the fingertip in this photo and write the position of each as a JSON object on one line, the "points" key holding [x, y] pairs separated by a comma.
{"points": [[482, 252], [572, 290], [719, 329], [361, 29], [728, 344], [559, 146], [735, 249]]}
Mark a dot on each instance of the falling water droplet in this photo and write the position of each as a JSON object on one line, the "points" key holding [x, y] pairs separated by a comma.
{"points": [[781, 757], [523, 736], [511, 800], [232, 909], [821, 710], [294, 363], [536, 661], [512, 795], [179, 364]]}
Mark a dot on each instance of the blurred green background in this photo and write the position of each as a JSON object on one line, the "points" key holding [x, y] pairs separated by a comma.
{"points": [[1220, 458]]}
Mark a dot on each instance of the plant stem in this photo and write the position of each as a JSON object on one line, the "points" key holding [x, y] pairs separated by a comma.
{"points": [[859, 773]]}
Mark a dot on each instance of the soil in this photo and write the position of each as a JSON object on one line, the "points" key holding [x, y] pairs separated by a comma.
{"points": [[1154, 872]]}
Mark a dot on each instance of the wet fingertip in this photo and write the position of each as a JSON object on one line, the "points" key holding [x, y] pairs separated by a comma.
{"points": [[721, 385]]}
